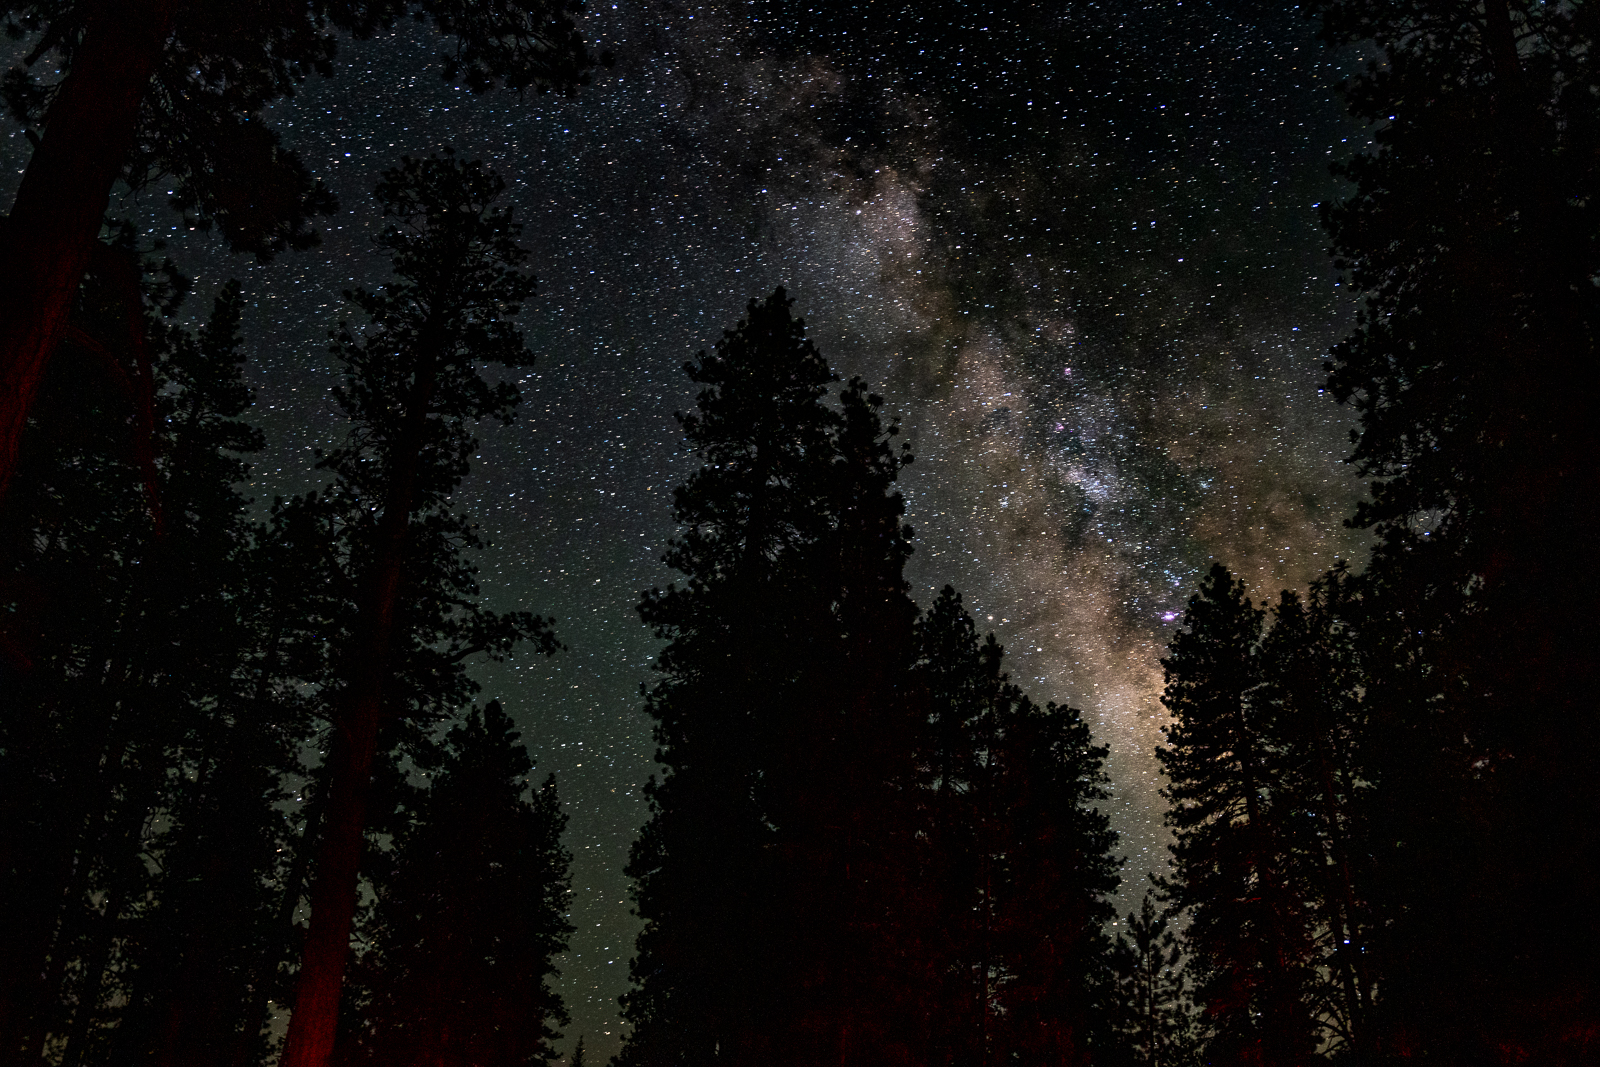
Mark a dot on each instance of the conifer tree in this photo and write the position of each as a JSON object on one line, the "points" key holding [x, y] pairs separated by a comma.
{"points": [[1311, 713], [141, 776], [704, 865], [1471, 232], [1270, 764], [400, 558], [769, 862], [1249, 934], [1151, 994], [470, 914], [840, 785], [960, 675], [1058, 874], [1474, 252], [869, 846], [1018, 856], [174, 90]]}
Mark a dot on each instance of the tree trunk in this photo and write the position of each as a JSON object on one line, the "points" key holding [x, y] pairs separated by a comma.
{"points": [[1500, 41], [31, 970], [314, 1024], [94, 975], [62, 200], [255, 1015]]}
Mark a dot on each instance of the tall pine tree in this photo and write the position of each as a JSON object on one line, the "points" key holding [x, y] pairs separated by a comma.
{"points": [[174, 90], [768, 868], [413, 385], [143, 766], [1311, 712], [704, 867], [1016, 856], [1249, 932], [1150, 998], [1471, 231]]}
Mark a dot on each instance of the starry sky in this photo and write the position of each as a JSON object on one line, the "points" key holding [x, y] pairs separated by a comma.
{"points": [[1075, 245]]}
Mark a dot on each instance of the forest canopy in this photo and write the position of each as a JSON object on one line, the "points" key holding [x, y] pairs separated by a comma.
{"points": [[258, 804]]}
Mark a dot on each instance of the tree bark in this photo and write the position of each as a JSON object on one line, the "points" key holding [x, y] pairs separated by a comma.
{"points": [[314, 1024], [31, 969], [62, 200], [94, 977]]}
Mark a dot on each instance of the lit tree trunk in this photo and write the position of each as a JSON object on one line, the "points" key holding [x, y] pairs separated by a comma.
{"points": [[63, 196], [333, 893], [314, 1024]]}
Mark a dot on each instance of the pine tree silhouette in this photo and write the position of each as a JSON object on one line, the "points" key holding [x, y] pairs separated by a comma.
{"points": [[1249, 934], [174, 91], [960, 675], [1152, 997], [1311, 714], [413, 385], [470, 914], [1017, 855], [1468, 370], [773, 851], [141, 770], [741, 630]]}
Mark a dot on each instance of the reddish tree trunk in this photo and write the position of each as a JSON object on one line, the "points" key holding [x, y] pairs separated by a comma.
{"points": [[314, 1024], [62, 200]]}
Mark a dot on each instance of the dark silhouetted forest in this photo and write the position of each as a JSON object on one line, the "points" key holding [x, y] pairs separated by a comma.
{"points": [[253, 811], [1386, 843], [867, 845]]}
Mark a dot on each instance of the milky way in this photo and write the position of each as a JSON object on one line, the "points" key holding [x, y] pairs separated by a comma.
{"points": [[1075, 247]]}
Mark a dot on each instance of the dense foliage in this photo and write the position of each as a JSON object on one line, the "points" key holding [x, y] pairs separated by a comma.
{"points": [[183, 686], [113, 629], [1411, 744], [398, 573], [868, 846], [470, 911]]}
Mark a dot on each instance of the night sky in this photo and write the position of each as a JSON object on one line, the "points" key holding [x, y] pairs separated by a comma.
{"points": [[1075, 246]]}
